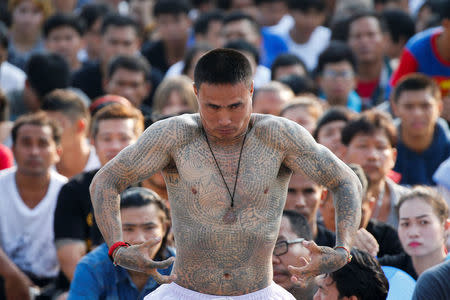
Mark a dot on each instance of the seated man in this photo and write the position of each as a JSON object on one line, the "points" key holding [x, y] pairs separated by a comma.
{"points": [[361, 279], [145, 218]]}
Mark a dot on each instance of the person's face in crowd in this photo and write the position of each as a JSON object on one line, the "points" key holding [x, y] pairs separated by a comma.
{"points": [[119, 40], [173, 27], [246, 6], [71, 128], [304, 196], [283, 71], [337, 81], [366, 39], [93, 39], [393, 49], [27, 16], [65, 40], [225, 109], [419, 229], [214, 36], [113, 135], [141, 224], [418, 111], [129, 84], [35, 150], [271, 12], [281, 274], [373, 152], [327, 289], [307, 21], [141, 11], [268, 102], [241, 30], [301, 115], [329, 135], [175, 104]]}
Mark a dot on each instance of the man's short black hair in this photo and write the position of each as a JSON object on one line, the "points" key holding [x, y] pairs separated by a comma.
{"points": [[46, 72], [306, 5], [4, 41], [299, 224], [399, 24], [444, 10], [299, 84], [335, 113], [237, 15], [117, 20], [366, 14], [416, 82], [223, 66], [201, 25], [361, 277], [285, 60], [171, 7], [91, 12], [336, 52], [243, 45], [132, 63], [62, 20], [67, 102], [39, 118]]}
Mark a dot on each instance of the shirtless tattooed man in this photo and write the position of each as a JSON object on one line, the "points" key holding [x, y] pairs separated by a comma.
{"points": [[227, 172]]}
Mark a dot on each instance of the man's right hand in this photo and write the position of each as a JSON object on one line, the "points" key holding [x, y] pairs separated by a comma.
{"points": [[17, 286], [136, 258], [364, 240]]}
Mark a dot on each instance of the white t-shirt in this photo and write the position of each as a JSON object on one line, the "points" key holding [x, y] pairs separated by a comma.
{"points": [[11, 77], [26, 235]]}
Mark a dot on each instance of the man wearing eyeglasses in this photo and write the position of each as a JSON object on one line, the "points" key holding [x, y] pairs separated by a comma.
{"points": [[289, 250]]}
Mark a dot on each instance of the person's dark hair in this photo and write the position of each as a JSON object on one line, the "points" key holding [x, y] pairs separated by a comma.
{"points": [[59, 20], [369, 122], [91, 12], [38, 119], [239, 16], [117, 20], [444, 10], [259, 2], [299, 224], [46, 72], [223, 66], [285, 60], [67, 102], [139, 197], [361, 277], [171, 7], [4, 41], [399, 24], [416, 82], [366, 14], [306, 5], [131, 63], [243, 45], [4, 107], [335, 113], [299, 84], [191, 53], [201, 24], [336, 52], [339, 28]]}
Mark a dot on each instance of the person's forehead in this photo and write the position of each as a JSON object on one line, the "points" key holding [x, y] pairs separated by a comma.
{"points": [[299, 180], [412, 96], [116, 30], [124, 73], [365, 23], [343, 64], [115, 125], [377, 135], [35, 131], [64, 28]]}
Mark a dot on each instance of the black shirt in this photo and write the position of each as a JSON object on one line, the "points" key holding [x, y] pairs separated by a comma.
{"points": [[386, 237], [154, 52], [324, 236], [401, 261], [89, 80]]}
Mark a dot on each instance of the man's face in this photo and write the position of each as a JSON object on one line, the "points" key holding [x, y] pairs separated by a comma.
{"points": [[173, 28], [272, 12], [337, 80], [373, 152], [93, 39], [34, 150], [66, 41], [112, 136], [241, 29], [268, 102], [118, 40], [214, 35], [304, 196], [129, 84], [418, 111], [327, 289], [281, 274], [330, 136], [27, 16], [225, 109], [366, 39], [307, 21], [140, 224], [301, 115]]}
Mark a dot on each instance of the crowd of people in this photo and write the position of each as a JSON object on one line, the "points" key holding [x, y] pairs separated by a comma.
{"points": [[330, 118]]}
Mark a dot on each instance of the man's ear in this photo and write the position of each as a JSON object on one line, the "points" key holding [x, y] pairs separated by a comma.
{"points": [[195, 89]]}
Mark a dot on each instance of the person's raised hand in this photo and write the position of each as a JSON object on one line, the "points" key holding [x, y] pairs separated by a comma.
{"points": [[364, 240], [321, 260], [17, 286], [136, 258]]}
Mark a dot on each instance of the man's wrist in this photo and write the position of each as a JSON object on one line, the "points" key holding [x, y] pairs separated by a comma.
{"points": [[347, 252]]}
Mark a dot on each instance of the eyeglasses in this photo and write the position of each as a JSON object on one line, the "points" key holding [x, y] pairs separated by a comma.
{"points": [[332, 74], [281, 247]]}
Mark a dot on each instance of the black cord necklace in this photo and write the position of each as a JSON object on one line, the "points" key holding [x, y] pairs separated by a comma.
{"points": [[220, 171]]}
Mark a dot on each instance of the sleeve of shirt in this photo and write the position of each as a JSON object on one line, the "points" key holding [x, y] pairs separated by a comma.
{"points": [[84, 284], [427, 288], [408, 64]]}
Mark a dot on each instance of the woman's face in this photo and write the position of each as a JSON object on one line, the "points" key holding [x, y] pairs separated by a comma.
{"points": [[27, 15], [175, 104], [419, 229]]}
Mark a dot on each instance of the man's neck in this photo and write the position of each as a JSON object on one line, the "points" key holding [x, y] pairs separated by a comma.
{"points": [[23, 40], [337, 101], [423, 263], [175, 51], [417, 143], [370, 71], [74, 159], [139, 279], [32, 189], [298, 36]]}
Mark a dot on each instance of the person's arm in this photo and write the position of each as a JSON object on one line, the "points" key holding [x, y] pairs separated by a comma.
{"points": [[151, 153], [16, 283], [304, 155], [69, 254]]}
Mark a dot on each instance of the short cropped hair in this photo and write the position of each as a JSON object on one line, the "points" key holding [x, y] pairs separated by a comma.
{"points": [[368, 122], [286, 60], [171, 7], [416, 82], [38, 119], [399, 24], [336, 52], [67, 102], [60, 20], [223, 66], [91, 12], [335, 113], [117, 20], [299, 224], [305, 5], [361, 277], [131, 63]]}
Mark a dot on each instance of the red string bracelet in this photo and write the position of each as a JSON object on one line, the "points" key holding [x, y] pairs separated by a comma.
{"points": [[114, 247], [349, 256]]}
